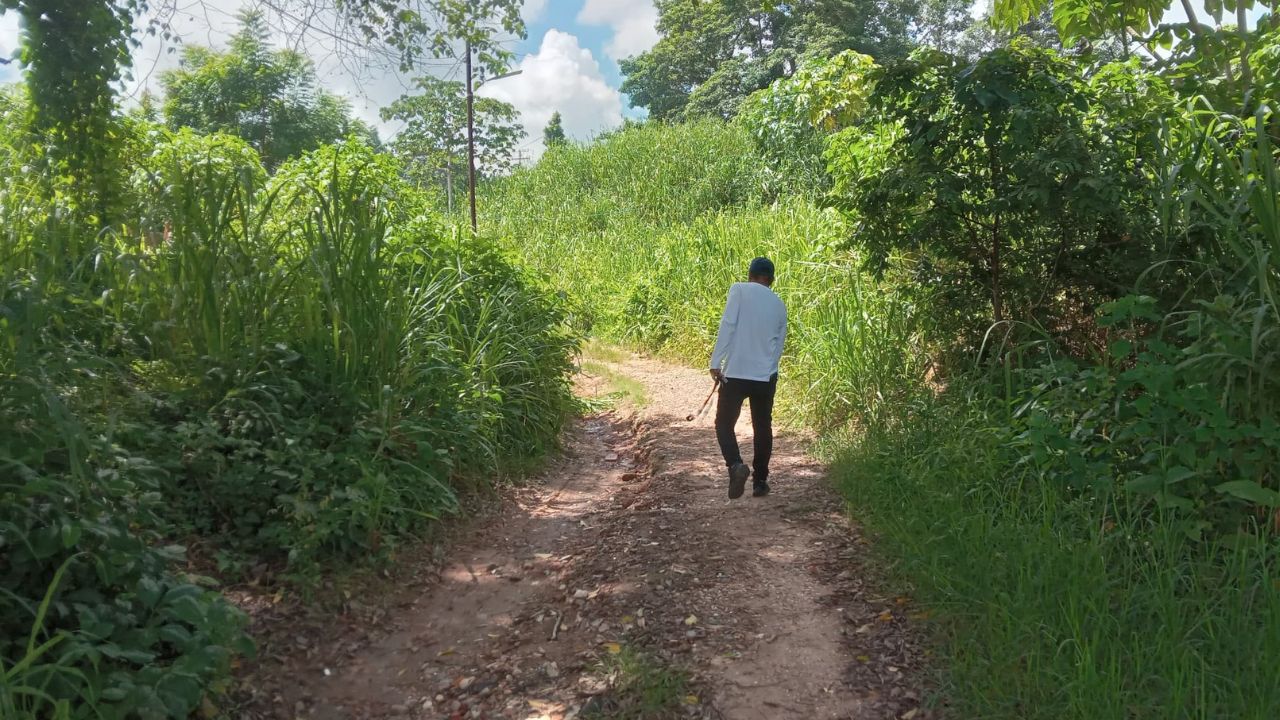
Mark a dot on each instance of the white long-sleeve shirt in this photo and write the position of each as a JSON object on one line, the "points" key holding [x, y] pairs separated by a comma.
{"points": [[752, 332]]}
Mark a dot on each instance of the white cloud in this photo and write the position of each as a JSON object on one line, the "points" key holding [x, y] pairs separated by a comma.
{"points": [[634, 24], [8, 46], [532, 10], [562, 76]]}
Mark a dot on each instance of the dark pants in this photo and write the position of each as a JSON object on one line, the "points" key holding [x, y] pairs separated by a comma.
{"points": [[732, 392]]}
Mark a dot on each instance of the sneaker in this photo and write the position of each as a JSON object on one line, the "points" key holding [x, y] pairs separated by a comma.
{"points": [[759, 488], [738, 480]]}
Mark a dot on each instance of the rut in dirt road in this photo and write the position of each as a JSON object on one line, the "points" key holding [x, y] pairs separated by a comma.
{"points": [[630, 548]]}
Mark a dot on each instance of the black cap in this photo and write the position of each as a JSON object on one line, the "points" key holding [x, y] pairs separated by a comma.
{"points": [[761, 267]]}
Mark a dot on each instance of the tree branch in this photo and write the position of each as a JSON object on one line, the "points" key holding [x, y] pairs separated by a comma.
{"points": [[1192, 20], [1246, 70]]}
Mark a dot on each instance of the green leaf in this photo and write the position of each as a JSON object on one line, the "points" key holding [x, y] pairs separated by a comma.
{"points": [[1121, 349], [188, 610], [1166, 500], [1145, 485], [175, 635], [149, 592], [70, 534], [133, 655], [1251, 491]]}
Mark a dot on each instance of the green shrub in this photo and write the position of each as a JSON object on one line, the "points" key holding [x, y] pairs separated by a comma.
{"points": [[94, 614], [293, 370], [1160, 421], [175, 180], [1100, 534], [383, 370]]}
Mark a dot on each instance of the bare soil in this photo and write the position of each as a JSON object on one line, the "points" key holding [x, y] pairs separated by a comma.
{"points": [[627, 542]]}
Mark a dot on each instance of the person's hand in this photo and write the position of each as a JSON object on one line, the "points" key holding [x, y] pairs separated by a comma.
{"points": [[717, 375]]}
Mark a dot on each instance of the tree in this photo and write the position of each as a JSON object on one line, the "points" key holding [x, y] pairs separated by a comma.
{"points": [[72, 53], [994, 179], [433, 142], [942, 24], [791, 119], [553, 134], [1215, 60], [268, 97], [714, 53]]}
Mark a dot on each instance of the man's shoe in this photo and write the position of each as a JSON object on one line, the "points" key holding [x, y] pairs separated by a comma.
{"points": [[759, 488], [738, 480]]}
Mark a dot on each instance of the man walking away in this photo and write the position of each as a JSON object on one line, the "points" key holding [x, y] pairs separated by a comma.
{"points": [[745, 363]]}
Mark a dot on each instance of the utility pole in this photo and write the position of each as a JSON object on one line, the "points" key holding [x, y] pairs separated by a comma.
{"points": [[471, 141], [471, 132]]}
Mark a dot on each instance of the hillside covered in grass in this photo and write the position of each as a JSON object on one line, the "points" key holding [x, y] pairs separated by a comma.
{"points": [[645, 231]]}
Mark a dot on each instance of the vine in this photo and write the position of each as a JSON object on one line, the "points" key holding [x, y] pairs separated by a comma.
{"points": [[72, 53]]}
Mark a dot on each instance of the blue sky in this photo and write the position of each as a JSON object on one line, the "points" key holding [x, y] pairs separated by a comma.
{"points": [[569, 63], [563, 15]]}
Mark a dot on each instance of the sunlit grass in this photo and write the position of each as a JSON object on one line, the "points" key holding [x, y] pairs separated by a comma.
{"points": [[649, 264], [641, 688], [621, 388], [595, 349]]}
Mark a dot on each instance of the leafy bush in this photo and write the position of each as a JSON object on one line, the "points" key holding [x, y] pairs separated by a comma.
{"points": [[1183, 410], [1102, 531], [1017, 177], [1161, 421], [380, 371], [176, 181], [992, 180], [94, 617], [292, 369], [791, 119]]}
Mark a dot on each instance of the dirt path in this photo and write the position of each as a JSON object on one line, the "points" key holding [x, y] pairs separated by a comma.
{"points": [[628, 560]]}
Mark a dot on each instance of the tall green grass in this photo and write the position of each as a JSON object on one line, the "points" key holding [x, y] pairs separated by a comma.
{"points": [[1051, 604]]}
